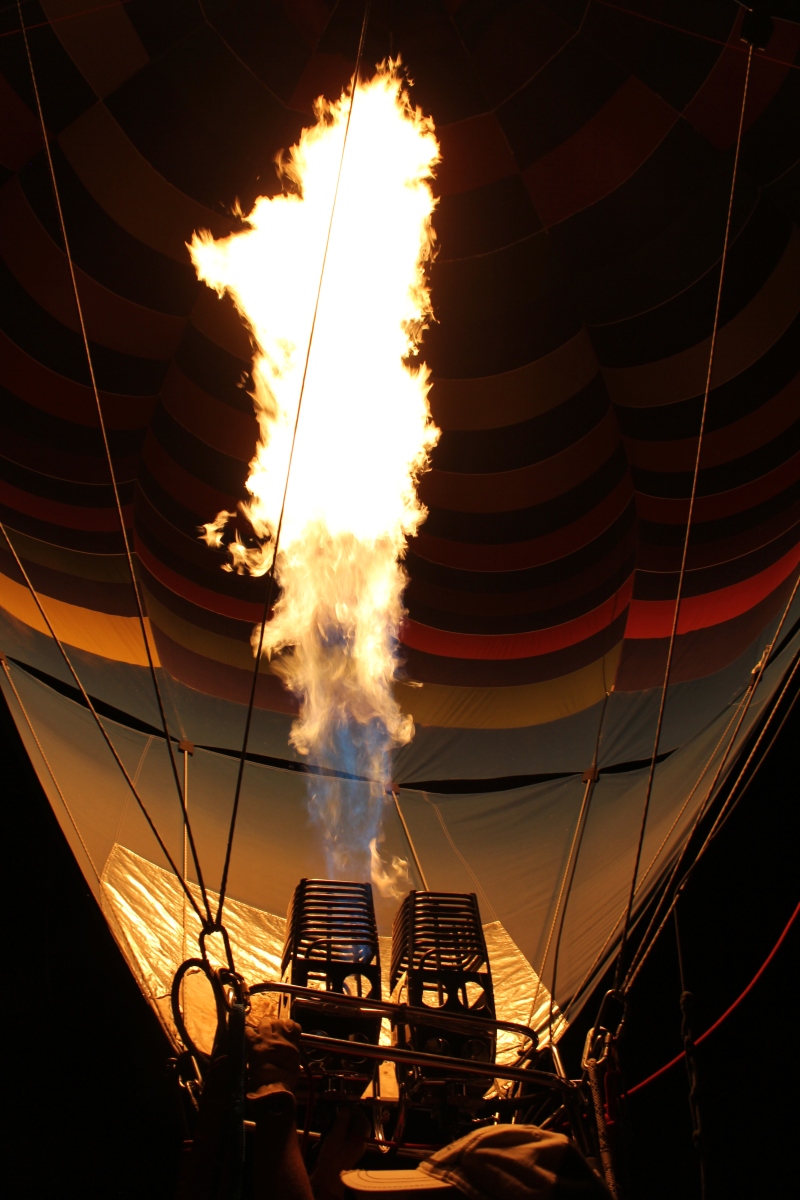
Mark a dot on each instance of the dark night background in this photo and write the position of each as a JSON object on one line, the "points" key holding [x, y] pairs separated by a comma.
{"points": [[93, 1114]]}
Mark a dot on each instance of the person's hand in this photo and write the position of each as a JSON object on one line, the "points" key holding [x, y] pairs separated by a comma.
{"points": [[341, 1150], [273, 1057]]}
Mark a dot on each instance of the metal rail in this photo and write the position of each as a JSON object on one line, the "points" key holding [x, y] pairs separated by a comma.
{"points": [[333, 1002], [438, 1062]]}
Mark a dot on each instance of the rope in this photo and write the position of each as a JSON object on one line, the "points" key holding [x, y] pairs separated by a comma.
{"points": [[87, 701], [107, 448], [46, 761], [730, 1009], [685, 554], [722, 816], [271, 578]]}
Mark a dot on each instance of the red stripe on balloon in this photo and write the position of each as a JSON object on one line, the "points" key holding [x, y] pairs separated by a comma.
{"points": [[653, 618], [70, 516], [516, 645], [226, 606]]}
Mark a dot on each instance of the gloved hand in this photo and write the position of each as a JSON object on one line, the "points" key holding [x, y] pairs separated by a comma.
{"points": [[273, 1061]]}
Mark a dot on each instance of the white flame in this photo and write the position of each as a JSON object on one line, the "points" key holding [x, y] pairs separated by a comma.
{"points": [[363, 432]]}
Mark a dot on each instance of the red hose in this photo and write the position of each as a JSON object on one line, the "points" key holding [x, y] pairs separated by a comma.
{"points": [[728, 1011]]}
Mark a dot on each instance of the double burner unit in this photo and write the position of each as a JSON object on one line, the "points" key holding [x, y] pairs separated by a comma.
{"points": [[439, 1004], [438, 961]]}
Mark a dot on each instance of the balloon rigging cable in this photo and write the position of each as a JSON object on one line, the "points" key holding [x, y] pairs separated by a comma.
{"points": [[46, 761], [112, 473], [685, 554], [88, 702], [703, 809]]}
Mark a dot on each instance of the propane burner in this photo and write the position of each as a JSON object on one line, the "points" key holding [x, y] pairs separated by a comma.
{"points": [[440, 962], [332, 946]]}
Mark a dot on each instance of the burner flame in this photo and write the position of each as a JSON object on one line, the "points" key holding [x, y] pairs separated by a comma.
{"points": [[340, 346]]}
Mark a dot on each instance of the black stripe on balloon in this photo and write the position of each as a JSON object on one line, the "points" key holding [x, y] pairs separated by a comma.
{"points": [[218, 470], [59, 463], [181, 517], [558, 101], [89, 541], [727, 476], [662, 585], [484, 220], [508, 582], [524, 524], [445, 83], [512, 672], [540, 618], [97, 595], [101, 247], [498, 312], [46, 429], [60, 349], [63, 491], [705, 533], [159, 25], [617, 225], [771, 145], [267, 40], [479, 605], [672, 64], [686, 320], [484, 451], [746, 540], [194, 614], [212, 143], [738, 397], [662, 266], [64, 92], [509, 43], [187, 556], [215, 370]]}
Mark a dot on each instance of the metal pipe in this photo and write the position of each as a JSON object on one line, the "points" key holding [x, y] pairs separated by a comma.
{"points": [[451, 1066], [398, 1013], [411, 845]]}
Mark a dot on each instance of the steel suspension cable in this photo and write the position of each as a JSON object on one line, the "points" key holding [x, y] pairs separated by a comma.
{"points": [[591, 783], [755, 679], [276, 544], [689, 519], [204, 921], [577, 837], [46, 761], [733, 798], [109, 459], [747, 697]]}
